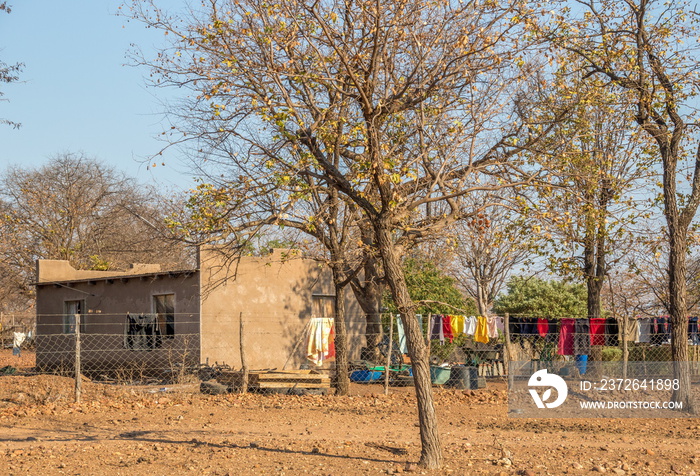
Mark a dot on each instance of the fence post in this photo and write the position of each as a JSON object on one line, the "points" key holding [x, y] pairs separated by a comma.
{"points": [[244, 362], [78, 376], [388, 354], [508, 353], [625, 348]]}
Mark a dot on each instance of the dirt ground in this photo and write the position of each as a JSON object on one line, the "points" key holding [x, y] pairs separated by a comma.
{"points": [[176, 430]]}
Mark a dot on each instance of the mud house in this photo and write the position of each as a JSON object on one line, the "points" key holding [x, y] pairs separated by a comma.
{"points": [[148, 319]]}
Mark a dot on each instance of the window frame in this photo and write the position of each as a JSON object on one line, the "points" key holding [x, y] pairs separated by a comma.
{"points": [[165, 318], [68, 326]]}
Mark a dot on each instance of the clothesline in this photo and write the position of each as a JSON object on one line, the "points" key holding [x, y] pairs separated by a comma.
{"points": [[575, 336]]}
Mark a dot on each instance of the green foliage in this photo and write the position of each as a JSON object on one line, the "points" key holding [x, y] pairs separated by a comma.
{"points": [[539, 298], [612, 354], [427, 283], [98, 263]]}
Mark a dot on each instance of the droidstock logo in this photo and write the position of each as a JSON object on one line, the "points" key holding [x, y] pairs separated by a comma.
{"points": [[542, 379]]}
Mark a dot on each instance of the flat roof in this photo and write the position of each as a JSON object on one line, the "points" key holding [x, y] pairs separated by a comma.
{"points": [[155, 274]]}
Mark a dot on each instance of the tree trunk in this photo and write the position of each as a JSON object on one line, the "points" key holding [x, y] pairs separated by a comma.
{"points": [[342, 368], [481, 300], [431, 449], [369, 297], [679, 316], [368, 292], [594, 266]]}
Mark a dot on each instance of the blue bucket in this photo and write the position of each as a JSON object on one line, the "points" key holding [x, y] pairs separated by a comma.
{"points": [[581, 363], [366, 375]]}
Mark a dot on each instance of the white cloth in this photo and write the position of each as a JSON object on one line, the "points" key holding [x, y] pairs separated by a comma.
{"points": [[470, 327], [319, 346], [403, 347], [19, 338]]}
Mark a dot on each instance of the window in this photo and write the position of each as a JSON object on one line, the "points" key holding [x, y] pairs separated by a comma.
{"points": [[70, 310], [323, 306], [164, 305]]}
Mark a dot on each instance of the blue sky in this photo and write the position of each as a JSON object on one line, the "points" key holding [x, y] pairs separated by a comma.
{"points": [[77, 94]]}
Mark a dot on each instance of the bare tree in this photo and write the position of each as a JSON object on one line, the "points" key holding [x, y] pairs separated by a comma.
{"points": [[489, 247], [595, 193], [401, 107], [648, 50], [76, 209]]}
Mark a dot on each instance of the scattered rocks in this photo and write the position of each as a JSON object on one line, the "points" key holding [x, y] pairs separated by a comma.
{"points": [[212, 387], [504, 462]]}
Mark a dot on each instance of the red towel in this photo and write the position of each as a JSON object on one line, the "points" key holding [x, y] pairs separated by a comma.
{"points": [[447, 327], [331, 344], [566, 337], [542, 327], [597, 331]]}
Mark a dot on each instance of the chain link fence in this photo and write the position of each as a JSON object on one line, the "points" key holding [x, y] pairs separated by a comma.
{"points": [[254, 352], [596, 346], [10, 323], [286, 353]]}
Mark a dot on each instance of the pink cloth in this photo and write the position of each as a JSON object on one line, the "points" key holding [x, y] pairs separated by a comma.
{"points": [[566, 337], [597, 331]]}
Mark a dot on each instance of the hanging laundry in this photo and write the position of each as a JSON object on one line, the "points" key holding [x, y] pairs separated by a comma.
{"points": [[665, 329], [320, 345], [500, 324], [612, 331], [582, 337], [514, 328], [660, 330], [18, 339], [542, 327], [403, 347], [631, 330], [597, 326], [492, 327], [142, 332], [530, 326], [458, 324], [436, 328], [482, 333], [644, 330], [470, 325], [566, 337], [447, 328]]}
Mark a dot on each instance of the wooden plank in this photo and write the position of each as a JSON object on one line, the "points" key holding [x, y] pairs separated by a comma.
{"points": [[277, 376], [291, 385], [294, 382]]}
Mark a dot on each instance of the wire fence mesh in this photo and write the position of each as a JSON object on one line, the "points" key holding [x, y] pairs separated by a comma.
{"points": [[595, 347], [289, 353], [17, 322]]}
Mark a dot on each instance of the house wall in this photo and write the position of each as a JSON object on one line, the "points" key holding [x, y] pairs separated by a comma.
{"points": [[273, 297], [108, 297]]}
